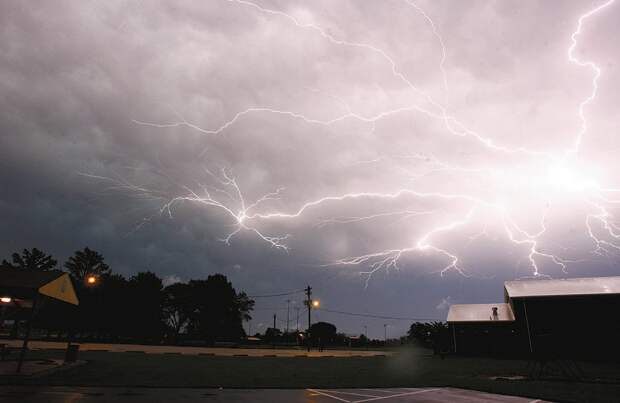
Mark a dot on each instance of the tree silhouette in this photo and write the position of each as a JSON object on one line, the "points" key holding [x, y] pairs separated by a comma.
{"points": [[145, 307], [137, 309], [324, 331], [218, 311], [177, 308], [33, 259], [245, 305], [85, 262], [112, 298], [428, 334], [271, 334]]}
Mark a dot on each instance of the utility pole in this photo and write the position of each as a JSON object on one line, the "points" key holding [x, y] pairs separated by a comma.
{"points": [[297, 309], [309, 304], [385, 332], [274, 331], [288, 308]]}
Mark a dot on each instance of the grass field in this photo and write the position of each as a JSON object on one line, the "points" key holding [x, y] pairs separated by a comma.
{"points": [[412, 367]]}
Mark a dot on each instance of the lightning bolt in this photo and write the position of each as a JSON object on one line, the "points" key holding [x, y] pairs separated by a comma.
{"points": [[430, 22], [437, 111], [596, 73], [563, 176]]}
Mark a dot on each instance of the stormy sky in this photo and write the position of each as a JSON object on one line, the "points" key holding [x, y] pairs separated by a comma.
{"points": [[436, 143]]}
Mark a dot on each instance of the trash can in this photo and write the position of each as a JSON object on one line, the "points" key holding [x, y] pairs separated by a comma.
{"points": [[72, 352]]}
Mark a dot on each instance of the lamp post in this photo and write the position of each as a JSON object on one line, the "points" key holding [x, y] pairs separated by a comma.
{"points": [[91, 281], [366, 337], [274, 331], [310, 304], [288, 308]]}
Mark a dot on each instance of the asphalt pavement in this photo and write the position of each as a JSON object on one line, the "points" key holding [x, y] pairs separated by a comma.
{"points": [[58, 394]]}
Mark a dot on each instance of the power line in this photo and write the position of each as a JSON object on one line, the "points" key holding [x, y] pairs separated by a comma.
{"points": [[276, 295], [269, 309], [367, 315]]}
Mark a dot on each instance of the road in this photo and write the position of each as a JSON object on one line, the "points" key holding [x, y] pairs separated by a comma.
{"points": [[58, 394], [186, 350]]}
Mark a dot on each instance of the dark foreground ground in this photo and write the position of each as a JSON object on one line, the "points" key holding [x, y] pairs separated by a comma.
{"points": [[58, 394], [408, 368]]}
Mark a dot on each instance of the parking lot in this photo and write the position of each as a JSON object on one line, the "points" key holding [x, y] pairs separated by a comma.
{"points": [[53, 394]]}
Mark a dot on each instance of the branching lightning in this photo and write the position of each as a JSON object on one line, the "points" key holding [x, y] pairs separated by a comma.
{"points": [[560, 176], [596, 73]]}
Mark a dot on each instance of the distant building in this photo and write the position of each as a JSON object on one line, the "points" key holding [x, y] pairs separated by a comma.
{"points": [[577, 317], [482, 328]]}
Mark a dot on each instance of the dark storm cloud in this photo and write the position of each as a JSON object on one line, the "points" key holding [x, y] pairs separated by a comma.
{"points": [[76, 76]]}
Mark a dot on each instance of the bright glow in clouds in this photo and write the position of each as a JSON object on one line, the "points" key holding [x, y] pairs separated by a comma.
{"points": [[513, 194], [569, 179]]}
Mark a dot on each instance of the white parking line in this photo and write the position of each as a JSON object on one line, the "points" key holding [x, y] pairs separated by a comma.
{"points": [[348, 393], [329, 393], [387, 390], [397, 395]]}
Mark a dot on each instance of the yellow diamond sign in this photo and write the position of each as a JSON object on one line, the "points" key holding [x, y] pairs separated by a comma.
{"points": [[61, 289]]}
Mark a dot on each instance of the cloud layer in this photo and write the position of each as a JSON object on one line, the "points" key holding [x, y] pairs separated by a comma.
{"points": [[109, 110]]}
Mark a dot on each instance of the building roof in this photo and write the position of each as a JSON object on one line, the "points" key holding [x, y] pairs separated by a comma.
{"points": [[27, 284], [480, 313], [562, 287], [26, 281]]}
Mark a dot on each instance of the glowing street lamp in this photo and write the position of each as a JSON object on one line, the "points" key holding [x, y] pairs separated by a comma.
{"points": [[316, 303], [91, 280]]}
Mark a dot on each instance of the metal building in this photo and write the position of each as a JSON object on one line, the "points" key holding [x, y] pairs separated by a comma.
{"points": [[576, 317]]}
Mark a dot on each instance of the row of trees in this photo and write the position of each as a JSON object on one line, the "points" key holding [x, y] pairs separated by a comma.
{"points": [[138, 308], [321, 334], [81, 264], [430, 334]]}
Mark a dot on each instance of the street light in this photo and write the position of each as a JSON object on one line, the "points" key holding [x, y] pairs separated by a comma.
{"points": [[316, 303], [91, 280]]}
